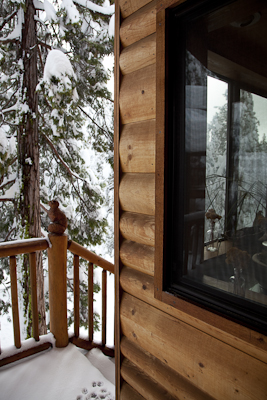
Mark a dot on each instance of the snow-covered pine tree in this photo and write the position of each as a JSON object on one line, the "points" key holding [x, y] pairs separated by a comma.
{"points": [[54, 103]]}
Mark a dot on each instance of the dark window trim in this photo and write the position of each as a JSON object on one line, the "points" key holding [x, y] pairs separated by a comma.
{"points": [[191, 309]]}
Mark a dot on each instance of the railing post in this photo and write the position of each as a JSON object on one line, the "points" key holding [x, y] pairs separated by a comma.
{"points": [[57, 268]]}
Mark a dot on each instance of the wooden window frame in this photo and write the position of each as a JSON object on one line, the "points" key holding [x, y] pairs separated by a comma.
{"points": [[208, 321]]}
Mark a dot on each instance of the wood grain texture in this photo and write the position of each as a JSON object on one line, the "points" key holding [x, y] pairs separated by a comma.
{"points": [[128, 7], [139, 228], [138, 95], [116, 194], [128, 393], [175, 384], [137, 193], [142, 286], [57, 268], [139, 25], [137, 147], [160, 153], [138, 55], [138, 256], [214, 367], [149, 389]]}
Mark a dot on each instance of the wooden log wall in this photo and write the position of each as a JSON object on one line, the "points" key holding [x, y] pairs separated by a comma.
{"points": [[164, 353]]}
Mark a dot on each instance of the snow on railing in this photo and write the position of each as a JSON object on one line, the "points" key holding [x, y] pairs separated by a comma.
{"points": [[57, 245]]}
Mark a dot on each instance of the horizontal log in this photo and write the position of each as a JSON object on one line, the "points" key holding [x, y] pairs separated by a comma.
{"points": [[214, 367], [139, 228], [140, 381], [81, 251], [128, 393], [175, 384], [141, 286], [139, 55], [137, 193], [22, 246], [128, 7], [138, 95], [137, 147], [138, 256], [139, 25]]}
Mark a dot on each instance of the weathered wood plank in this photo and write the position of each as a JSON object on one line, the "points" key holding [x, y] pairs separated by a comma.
{"points": [[128, 7], [141, 286], [175, 384], [137, 147], [138, 256], [139, 25], [140, 381], [137, 193], [139, 228], [128, 393], [139, 55], [138, 95], [215, 367]]}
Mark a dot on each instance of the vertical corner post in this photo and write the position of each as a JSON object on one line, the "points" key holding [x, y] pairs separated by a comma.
{"points": [[57, 267]]}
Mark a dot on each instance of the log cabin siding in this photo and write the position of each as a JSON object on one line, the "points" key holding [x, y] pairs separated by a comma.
{"points": [[164, 352]]}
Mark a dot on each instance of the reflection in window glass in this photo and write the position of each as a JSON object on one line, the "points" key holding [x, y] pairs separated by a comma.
{"points": [[217, 191]]}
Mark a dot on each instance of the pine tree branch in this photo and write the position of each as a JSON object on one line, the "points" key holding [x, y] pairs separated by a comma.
{"points": [[7, 183], [43, 44], [7, 19], [94, 122], [3, 200], [61, 159], [9, 233]]}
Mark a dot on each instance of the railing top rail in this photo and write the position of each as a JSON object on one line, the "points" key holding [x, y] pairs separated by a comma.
{"points": [[23, 246], [80, 251]]}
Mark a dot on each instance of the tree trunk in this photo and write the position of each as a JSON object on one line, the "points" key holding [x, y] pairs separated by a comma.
{"points": [[28, 142]]}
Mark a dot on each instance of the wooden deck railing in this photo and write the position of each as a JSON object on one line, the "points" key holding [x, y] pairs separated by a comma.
{"points": [[57, 246]]}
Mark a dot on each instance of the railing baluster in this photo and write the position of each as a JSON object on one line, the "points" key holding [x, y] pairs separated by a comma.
{"points": [[90, 300], [104, 306], [35, 318], [14, 296], [76, 262]]}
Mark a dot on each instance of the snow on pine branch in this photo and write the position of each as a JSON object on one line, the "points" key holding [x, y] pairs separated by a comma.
{"points": [[109, 10]]}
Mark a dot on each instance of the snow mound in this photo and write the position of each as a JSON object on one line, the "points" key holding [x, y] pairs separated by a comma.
{"points": [[56, 374]]}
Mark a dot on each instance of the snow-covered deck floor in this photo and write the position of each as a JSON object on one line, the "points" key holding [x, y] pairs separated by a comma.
{"points": [[59, 374]]}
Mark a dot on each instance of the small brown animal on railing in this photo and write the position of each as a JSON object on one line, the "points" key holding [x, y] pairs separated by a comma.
{"points": [[58, 219]]}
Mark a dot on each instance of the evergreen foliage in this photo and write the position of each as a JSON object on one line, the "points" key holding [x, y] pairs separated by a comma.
{"points": [[74, 114]]}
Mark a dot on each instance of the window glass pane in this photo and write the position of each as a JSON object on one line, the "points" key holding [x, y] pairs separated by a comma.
{"points": [[222, 176], [217, 112]]}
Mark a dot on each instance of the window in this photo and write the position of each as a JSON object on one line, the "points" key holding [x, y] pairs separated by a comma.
{"points": [[215, 251]]}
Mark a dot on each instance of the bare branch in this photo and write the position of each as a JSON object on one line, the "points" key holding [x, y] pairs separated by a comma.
{"points": [[9, 233], [94, 122], [60, 158], [5, 41], [43, 44], [7, 183], [3, 200], [7, 19]]}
